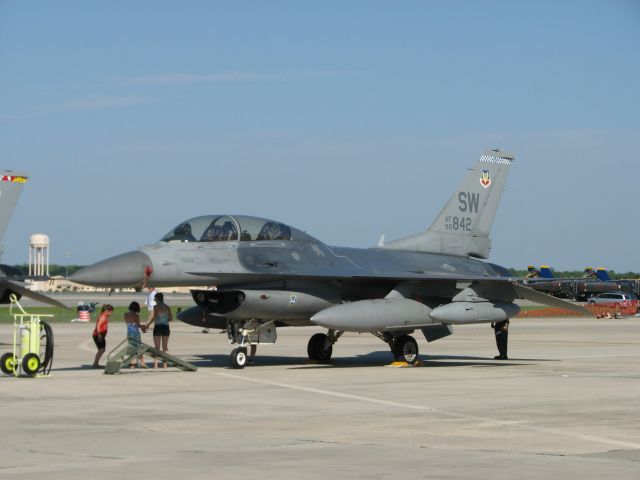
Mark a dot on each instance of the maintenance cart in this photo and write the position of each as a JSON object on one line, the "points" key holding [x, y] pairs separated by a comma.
{"points": [[32, 343]]}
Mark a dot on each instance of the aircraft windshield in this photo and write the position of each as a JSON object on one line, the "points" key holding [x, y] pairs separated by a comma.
{"points": [[221, 228]]}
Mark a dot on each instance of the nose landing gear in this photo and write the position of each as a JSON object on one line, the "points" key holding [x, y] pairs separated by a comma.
{"points": [[238, 357], [252, 333]]}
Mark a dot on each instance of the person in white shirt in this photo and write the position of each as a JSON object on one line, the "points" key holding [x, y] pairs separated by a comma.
{"points": [[151, 301]]}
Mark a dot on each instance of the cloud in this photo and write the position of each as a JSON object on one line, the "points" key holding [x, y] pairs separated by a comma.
{"points": [[186, 78], [94, 102], [227, 77]]}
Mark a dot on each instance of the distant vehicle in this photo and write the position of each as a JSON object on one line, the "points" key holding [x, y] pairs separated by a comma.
{"points": [[616, 299]]}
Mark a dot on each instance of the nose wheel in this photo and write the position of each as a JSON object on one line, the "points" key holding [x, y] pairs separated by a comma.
{"points": [[238, 358]]}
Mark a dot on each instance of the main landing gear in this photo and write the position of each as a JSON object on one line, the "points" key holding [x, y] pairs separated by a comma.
{"points": [[320, 346], [403, 347]]}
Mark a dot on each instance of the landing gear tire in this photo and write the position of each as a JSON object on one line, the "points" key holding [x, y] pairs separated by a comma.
{"points": [[8, 363], [238, 358], [405, 349], [316, 348], [31, 364]]}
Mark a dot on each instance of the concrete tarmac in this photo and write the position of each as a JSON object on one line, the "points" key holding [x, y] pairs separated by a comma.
{"points": [[564, 406]]}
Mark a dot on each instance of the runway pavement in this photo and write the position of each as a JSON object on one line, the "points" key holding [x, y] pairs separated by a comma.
{"points": [[564, 406]]}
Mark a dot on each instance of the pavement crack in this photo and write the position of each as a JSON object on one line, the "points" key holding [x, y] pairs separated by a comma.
{"points": [[329, 442], [78, 455]]}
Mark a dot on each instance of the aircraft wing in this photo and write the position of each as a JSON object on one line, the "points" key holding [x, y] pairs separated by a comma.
{"points": [[493, 288], [25, 292], [527, 293], [397, 276]]}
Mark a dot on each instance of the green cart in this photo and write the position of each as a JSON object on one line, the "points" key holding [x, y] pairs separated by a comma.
{"points": [[32, 344]]}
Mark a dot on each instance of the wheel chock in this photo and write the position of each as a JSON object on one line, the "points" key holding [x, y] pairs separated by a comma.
{"points": [[397, 364]]}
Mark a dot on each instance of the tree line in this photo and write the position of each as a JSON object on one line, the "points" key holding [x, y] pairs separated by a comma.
{"points": [[579, 274], [61, 270], [54, 270]]}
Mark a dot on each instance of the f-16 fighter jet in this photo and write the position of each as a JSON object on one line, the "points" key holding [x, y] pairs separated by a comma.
{"points": [[270, 275]]}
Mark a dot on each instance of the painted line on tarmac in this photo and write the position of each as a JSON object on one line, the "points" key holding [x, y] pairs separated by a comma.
{"points": [[87, 346], [330, 393], [593, 357], [571, 373], [425, 408], [69, 466]]}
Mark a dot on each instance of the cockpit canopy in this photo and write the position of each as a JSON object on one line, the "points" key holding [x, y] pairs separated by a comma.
{"points": [[224, 228]]}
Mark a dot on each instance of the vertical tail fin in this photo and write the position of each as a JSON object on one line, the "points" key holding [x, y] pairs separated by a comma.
{"points": [[464, 224], [532, 272], [10, 187], [603, 275], [546, 271]]}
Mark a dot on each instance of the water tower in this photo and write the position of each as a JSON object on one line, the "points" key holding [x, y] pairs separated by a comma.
{"points": [[39, 255]]}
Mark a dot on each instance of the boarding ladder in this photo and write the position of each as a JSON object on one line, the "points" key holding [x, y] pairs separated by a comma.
{"points": [[117, 358]]}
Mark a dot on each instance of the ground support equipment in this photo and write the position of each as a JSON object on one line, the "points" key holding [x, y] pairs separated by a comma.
{"points": [[32, 353], [123, 356]]}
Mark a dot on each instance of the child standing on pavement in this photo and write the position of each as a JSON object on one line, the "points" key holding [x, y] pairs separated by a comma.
{"points": [[132, 320], [100, 332]]}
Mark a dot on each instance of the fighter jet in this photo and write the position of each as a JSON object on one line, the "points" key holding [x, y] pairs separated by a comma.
{"points": [[270, 275], [542, 280], [592, 281], [11, 184]]}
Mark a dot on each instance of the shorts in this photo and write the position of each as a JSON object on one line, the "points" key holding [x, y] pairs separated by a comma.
{"points": [[134, 338], [100, 341], [161, 331]]}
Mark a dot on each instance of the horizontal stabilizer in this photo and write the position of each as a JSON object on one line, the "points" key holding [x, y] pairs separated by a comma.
{"points": [[25, 292]]}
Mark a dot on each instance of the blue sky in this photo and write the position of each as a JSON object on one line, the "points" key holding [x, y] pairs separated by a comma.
{"points": [[346, 119]]}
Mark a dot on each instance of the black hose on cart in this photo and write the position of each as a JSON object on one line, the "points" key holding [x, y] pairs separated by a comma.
{"points": [[47, 335]]}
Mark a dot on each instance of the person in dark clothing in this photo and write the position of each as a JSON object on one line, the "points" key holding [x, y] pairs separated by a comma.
{"points": [[501, 330]]}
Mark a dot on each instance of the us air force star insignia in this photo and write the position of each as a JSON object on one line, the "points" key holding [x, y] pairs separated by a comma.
{"points": [[292, 300], [485, 178]]}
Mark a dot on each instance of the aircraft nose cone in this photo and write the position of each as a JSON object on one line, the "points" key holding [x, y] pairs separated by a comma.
{"points": [[126, 270]]}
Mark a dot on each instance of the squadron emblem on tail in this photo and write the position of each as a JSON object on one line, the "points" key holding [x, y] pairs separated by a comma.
{"points": [[485, 178]]}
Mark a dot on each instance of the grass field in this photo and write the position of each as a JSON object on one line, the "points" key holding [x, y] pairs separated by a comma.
{"points": [[64, 315]]}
